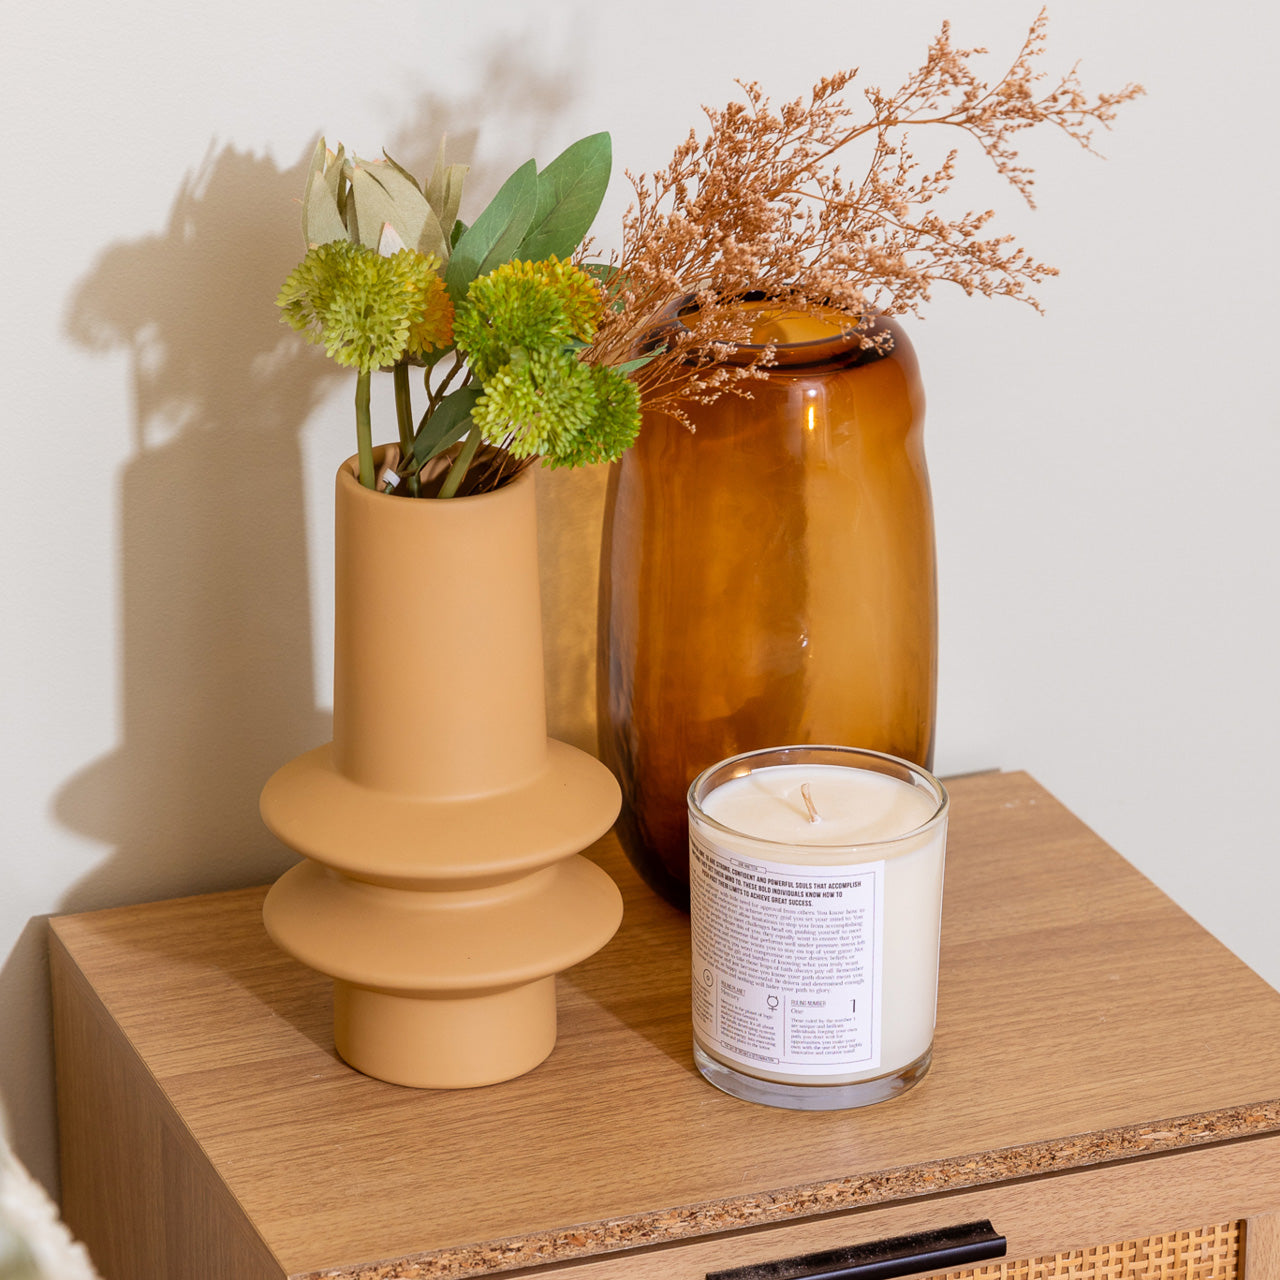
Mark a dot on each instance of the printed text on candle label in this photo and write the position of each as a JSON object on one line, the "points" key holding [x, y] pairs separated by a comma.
{"points": [[787, 961]]}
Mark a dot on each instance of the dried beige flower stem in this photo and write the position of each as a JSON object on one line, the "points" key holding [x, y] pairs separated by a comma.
{"points": [[759, 204]]}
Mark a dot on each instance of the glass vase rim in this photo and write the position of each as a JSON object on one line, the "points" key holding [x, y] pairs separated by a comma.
{"points": [[809, 351], [941, 796]]}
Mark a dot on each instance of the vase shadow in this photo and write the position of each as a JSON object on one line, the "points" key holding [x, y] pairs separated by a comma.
{"points": [[217, 669], [216, 664], [570, 516], [661, 1015]]}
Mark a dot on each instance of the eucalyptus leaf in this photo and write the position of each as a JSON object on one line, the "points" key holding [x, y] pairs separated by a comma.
{"points": [[570, 191], [459, 230], [611, 280], [496, 234], [639, 363], [446, 426]]}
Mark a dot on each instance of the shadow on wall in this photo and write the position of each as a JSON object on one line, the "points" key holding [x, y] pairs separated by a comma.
{"points": [[217, 668], [216, 675], [216, 664], [216, 682]]}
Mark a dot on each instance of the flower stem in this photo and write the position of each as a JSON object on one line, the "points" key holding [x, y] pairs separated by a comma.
{"points": [[460, 464], [364, 430], [404, 409], [435, 396], [404, 420]]}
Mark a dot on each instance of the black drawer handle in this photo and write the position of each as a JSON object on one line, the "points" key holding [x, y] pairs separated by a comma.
{"points": [[882, 1259]]}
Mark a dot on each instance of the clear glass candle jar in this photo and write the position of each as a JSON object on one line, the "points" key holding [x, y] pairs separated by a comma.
{"points": [[816, 900]]}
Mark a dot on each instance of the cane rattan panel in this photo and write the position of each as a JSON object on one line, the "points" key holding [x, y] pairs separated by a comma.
{"points": [[1207, 1253]]}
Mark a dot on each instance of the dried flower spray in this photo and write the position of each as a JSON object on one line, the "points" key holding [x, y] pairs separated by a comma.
{"points": [[759, 203]]}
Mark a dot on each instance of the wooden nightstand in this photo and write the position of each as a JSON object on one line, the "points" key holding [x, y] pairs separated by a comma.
{"points": [[1106, 1079]]}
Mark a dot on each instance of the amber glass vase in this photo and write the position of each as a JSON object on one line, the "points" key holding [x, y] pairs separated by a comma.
{"points": [[766, 580]]}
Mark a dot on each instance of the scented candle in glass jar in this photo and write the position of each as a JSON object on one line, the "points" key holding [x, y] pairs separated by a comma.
{"points": [[816, 898]]}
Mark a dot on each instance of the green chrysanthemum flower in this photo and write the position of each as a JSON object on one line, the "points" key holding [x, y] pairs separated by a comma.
{"points": [[525, 305], [364, 309], [613, 427], [537, 403], [579, 294], [306, 293]]}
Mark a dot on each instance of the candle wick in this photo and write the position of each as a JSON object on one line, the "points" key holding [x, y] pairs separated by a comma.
{"points": [[808, 802]]}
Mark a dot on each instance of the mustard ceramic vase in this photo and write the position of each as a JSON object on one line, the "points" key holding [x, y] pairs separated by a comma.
{"points": [[441, 887]]}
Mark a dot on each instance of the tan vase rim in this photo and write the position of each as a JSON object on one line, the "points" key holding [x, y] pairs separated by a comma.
{"points": [[349, 478]]}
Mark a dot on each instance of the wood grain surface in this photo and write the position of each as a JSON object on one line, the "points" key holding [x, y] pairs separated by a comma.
{"points": [[1082, 1018], [1262, 1247], [135, 1182]]}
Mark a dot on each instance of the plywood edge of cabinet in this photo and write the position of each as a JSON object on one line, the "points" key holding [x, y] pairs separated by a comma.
{"points": [[793, 1209], [136, 1187], [1043, 1215]]}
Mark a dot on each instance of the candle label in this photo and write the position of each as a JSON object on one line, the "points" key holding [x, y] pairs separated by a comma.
{"points": [[787, 961]]}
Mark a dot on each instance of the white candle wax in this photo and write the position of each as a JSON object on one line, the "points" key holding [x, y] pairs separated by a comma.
{"points": [[816, 941], [854, 806]]}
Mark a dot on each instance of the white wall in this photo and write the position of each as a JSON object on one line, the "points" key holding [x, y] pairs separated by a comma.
{"points": [[1103, 476]]}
